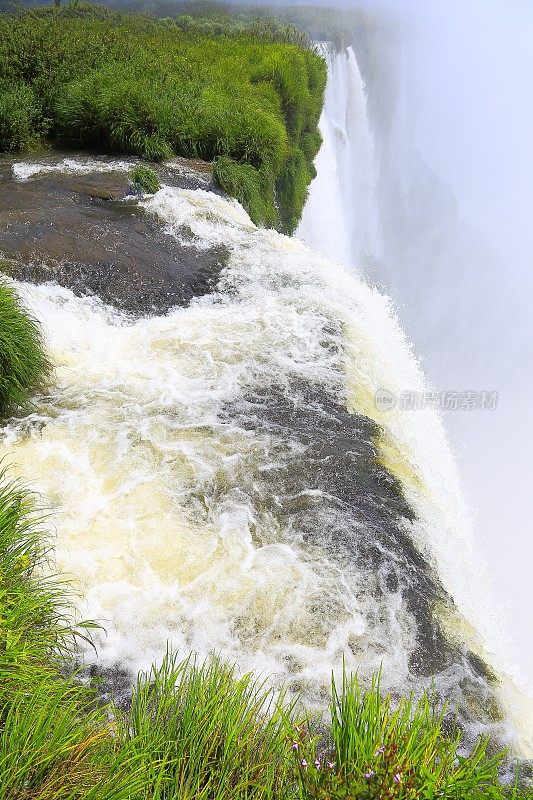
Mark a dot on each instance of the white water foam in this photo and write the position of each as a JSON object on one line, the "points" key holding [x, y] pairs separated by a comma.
{"points": [[24, 171], [151, 490], [338, 216]]}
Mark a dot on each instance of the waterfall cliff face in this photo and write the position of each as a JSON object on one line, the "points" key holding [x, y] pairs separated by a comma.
{"points": [[338, 216]]}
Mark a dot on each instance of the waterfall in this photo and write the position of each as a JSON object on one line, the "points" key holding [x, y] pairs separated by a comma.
{"points": [[338, 216], [348, 194], [225, 478]]}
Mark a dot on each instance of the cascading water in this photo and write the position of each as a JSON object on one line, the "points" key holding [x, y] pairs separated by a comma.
{"points": [[338, 216], [392, 235], [222, 478], [219, 478]]}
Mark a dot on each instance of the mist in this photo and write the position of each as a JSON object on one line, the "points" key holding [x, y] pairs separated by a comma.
{"points": [[455, 194]]}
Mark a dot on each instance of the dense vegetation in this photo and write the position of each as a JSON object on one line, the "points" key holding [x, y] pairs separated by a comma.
{"points": [[89, 77], [366, 27], [23, 363], [227, 18], [302, 23]]}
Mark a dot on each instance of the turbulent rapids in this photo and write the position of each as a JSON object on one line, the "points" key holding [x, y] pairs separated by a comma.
{"points": [[219, 478], [222, 478]]}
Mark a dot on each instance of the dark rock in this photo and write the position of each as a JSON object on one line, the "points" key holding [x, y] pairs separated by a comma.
{"points": [[80, 232], [341, 500]]}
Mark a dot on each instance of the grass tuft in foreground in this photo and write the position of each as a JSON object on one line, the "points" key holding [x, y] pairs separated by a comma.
{"points": [[23, 362], [53, 743], [379, 750], [215, 735]]}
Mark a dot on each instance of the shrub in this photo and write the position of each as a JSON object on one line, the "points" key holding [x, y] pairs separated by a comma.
{"points": [[246, 184], [111, 110], [23, 362], [19, 115], [144, 179], [198, 88], [292, 187]]}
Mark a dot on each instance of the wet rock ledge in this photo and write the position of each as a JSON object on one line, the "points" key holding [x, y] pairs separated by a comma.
{"points": [[79, 231]]}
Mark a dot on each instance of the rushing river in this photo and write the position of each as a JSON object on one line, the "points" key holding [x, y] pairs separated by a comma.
{"points": [[230, 476]]}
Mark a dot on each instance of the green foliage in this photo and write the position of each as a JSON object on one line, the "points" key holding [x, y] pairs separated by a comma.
{"points": [[220, 18], [35, 627], [132, 84], [247, 185], [292, 187], [114, 109], [215, 735], [19, 115], [23, 363], [54, 744], [381, 751], [54, 740], [144, 179]]}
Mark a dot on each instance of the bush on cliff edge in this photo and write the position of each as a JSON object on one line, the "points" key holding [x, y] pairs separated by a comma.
{"points": [[115, 82]]}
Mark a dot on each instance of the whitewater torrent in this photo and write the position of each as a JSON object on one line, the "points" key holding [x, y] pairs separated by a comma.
{"points": [[332, 222], [338, 216], [24, 170], [222, 477], [176, 453]]}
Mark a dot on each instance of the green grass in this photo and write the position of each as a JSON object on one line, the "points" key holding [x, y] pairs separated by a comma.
{"points": [[54, 742], [248, 186], [19, 117], [381, 750], [23, 362], [215, 735], [221, 18], [246, 98], [144, 179]]}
